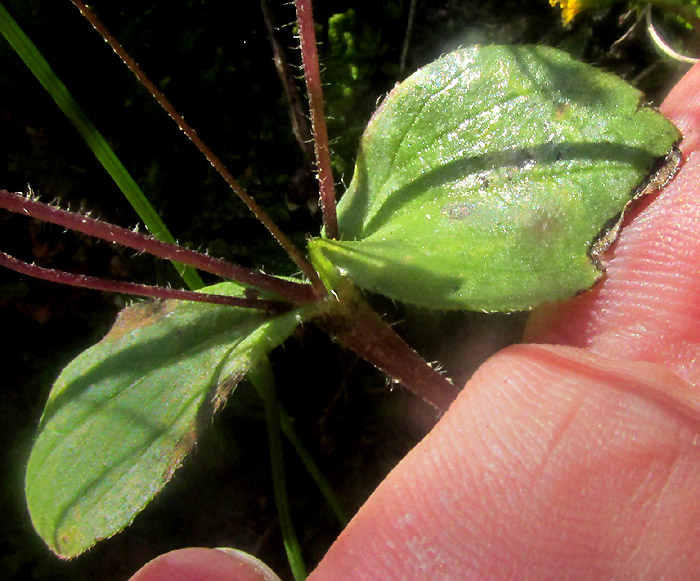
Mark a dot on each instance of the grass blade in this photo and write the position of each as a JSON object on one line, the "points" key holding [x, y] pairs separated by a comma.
{"points": [[261, 378]]}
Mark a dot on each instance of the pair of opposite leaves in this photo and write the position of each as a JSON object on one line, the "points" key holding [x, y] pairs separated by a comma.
{"points": [[481, 183]]}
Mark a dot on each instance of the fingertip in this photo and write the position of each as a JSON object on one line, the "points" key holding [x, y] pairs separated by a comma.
{"points": [[203, 564], [647, 306], [682, 106], [551, 460]]}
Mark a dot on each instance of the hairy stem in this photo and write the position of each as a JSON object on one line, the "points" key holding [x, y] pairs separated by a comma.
{"points": [[293, 252], [359, 328], [294, 292], [95, 141], [130, 288], [300, 123], [312, 75]]}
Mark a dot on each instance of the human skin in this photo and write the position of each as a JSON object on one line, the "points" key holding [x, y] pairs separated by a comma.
{"points": [[577, 453]]}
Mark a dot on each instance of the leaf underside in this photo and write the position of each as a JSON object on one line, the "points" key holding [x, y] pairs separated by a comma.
{"points": [[122, 416], [483, 179]]}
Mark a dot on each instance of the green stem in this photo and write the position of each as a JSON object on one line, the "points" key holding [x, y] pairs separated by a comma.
{"points": [[262, 379], [312, 468], [41, 69]]}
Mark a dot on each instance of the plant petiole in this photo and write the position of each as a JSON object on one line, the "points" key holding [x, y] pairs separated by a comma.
{"points": [[291, 250], [294, 292], [312, 75], [131, 288]]}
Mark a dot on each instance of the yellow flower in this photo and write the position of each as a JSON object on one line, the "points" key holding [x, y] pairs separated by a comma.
{"points": [[569, 9]]}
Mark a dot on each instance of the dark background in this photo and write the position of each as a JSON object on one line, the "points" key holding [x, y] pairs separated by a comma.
{"points": [[216, 68]]}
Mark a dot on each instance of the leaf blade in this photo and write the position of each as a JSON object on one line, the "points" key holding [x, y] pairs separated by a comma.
{"points": [[490, 171], [122, 415]]}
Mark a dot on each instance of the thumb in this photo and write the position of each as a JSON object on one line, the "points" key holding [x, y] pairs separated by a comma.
{"points": [[552, 459], [205, 565]]}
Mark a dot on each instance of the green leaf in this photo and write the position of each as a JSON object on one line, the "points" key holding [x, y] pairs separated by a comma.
{"points": [[122, 416], [483, 179]]}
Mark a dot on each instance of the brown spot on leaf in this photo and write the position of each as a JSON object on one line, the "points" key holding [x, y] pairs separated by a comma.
{"points": [[182, 448], [459, 211], [62, 542], [224, 389], [562, 112], [136, 316]]}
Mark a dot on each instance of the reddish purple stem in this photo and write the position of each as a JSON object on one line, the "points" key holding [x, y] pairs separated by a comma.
{"points": [[131, 288], [304, 265], [363, 331], [294, 292], [309, 57]]}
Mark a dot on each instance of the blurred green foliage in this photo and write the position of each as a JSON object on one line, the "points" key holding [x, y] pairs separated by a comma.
{"points": [[354, 59]]}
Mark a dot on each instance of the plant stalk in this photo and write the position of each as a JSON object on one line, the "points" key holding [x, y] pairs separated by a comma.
{"points": [[262, 379], [300, 123], [131, 288], [312, 75], [312, 468], [294, 292], [302, 263], [682, 8], [40, 68], [359, 328]]}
